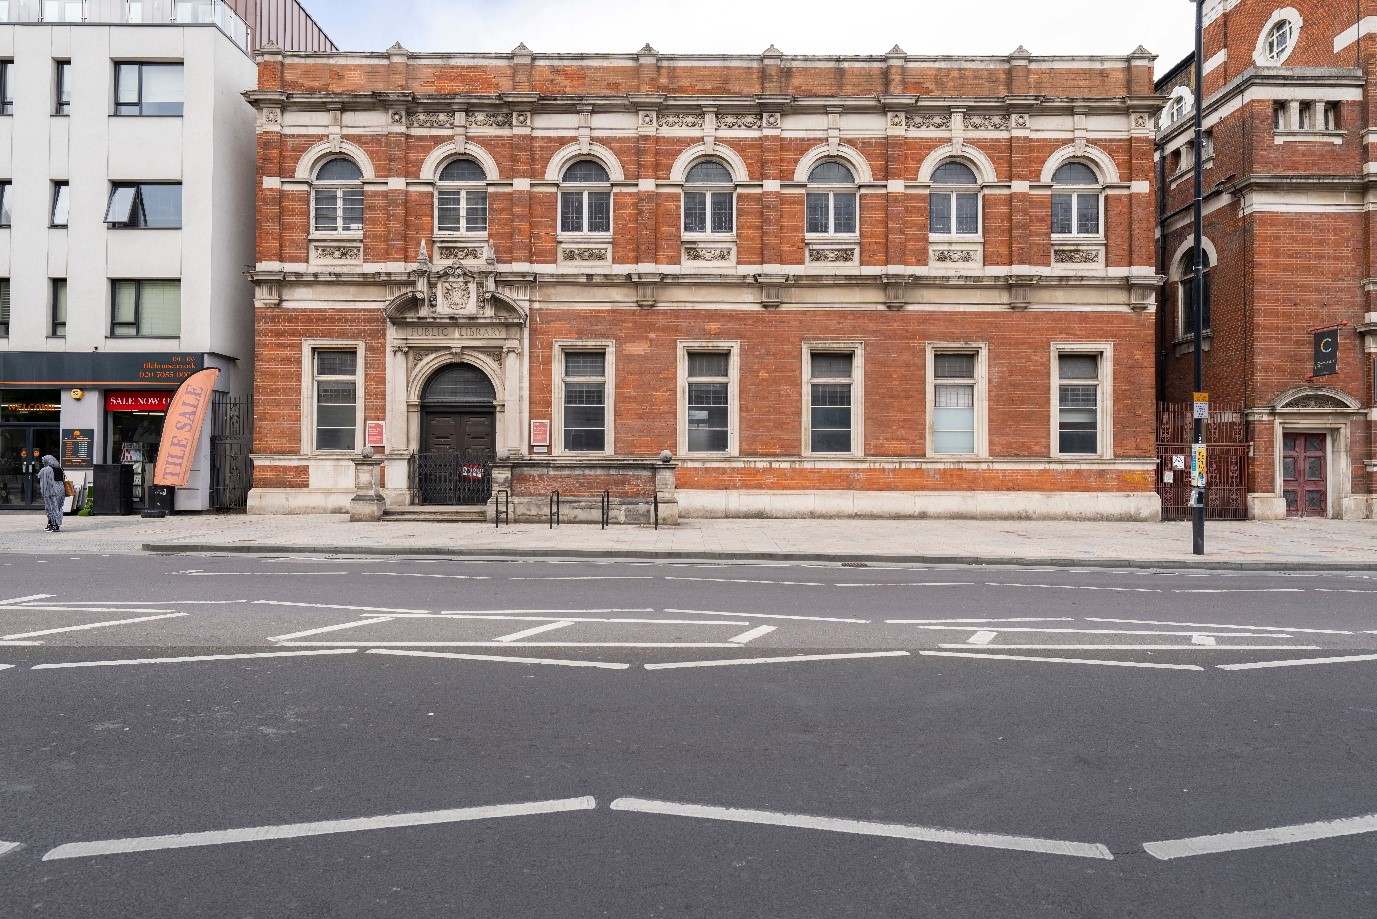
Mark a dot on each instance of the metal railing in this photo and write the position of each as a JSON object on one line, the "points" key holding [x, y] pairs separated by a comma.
{"points": [[502, 508], [554, 508], [606, 508], [450, 478], [116, 12]]}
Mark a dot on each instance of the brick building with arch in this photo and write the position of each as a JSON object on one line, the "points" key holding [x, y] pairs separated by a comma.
{"points": [[895, 285]]}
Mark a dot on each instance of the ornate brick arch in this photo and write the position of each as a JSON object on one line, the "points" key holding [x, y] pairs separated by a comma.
{"points": [[430, 169], [571, 153], [312, 159], [823, 152]]}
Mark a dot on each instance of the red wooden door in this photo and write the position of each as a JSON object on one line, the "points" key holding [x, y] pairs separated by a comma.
{"points": [[1305, 474]]}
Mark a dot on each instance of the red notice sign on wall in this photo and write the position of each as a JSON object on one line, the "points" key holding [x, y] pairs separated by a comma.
{"points": [[116, 401], [376, 431]]}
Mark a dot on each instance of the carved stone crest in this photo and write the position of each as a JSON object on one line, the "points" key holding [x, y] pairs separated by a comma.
{"points": [[456, 296], [1020, 121], [272, 116], [772, 120]]}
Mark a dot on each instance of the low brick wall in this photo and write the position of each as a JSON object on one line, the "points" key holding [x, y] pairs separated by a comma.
{"points": [[632, 487]]}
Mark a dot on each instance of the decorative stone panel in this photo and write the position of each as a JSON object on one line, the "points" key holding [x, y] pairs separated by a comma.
{"points": [[1078, 256], [735, 121], [824, 255], [337, 253], [929, 122], [432, 120], [956, 255], [709, 254], [682, 120], [594, 255], [987, 122], [490, 119], [451, 252]]}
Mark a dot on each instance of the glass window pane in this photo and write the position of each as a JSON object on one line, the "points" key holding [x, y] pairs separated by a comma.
{"points": [[831, 441], [843, 213], [450, 212], [463, 171], [127, 84], [1075, 174], [1063, 221], [351, 216], [819, 213], [5, 217], [162, 206], [708, 363], [949, 396], [571, 212], [831, 173], [723, 216], [160, 308], [585, 440], [162, 89], [335, 439], [953, 441], [968, 214], [705, 394], [337, 363], [587, 171], [64, 87], [339, 169], [584, 394], [939, 212], [476, 218], [1079, 366], [61, 206], [708, 172], [835, 365], [599, 212], [326, 209], [953, 173], [123, 306], [695, 212], [59, 317], [585, 363], [1079, 397], [1088, 215], [4, 307], [954, 366]]}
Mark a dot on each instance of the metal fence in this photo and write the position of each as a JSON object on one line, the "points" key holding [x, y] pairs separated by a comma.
{"points": [[231, 446], [1226, 469], [451, 478]]}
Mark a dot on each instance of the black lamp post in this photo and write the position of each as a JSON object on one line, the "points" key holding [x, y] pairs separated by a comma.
{"points": [[1198, 288]]}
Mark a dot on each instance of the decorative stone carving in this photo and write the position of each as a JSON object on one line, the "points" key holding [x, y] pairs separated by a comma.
{"points": [[585, 254], [987, 122], [1020, 121], [737, 121], [1322, 402], [772, 120], [1076, 256], [490, 119], [456, 295], [455, 253], [522, 119], [929, 122], [954, 256], [399, 118], [681, 120], [832, 256], [1140, 121], [708, 254], [338, 253], [647, 119], [432, 120], [272, 116]]}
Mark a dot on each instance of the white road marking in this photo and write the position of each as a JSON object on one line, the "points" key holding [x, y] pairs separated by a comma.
{"points": [[915, 584], [258, 574], [486, 618], [83, 604], [90, 625], [330, 628], [748, 581], [1132, 590], [956, 621], [1303, 662], [506, 660], [865, 828], [25, 599], [515, 644], [187, 660], [81, 609], [1058, 660], [322, 828], [509, 613], [1260, 839], [1203, 640], [1239, 590], [20, 643], [1219, 625], [365, 609], [704, 612], [6, 666], [962, 628], [801, 658], [982, 638], [1145, 647], [7, 847], [527, 633], [591, 577], [753, 634]]}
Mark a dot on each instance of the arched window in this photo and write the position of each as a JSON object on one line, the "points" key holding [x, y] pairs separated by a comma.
{"points": [[1077, 201], [1279, 39], [462, 198], [586, 207], [954, 202], [709, 199], [459, 383], [1186, 294], [831, 200], [338, 197]]}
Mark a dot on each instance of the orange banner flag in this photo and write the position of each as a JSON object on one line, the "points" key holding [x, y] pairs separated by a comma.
{"points": [[186, 415]]}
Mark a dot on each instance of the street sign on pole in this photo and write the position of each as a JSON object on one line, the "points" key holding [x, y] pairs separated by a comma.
{"points": [[1199, 466], [1202, 406]]}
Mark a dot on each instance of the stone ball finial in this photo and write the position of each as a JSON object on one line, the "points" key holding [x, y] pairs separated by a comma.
{"points": [[666, 456]]}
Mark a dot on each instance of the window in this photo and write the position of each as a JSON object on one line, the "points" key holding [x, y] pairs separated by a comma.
{"points": [[145, 206], [954, 402], [708, 401], [6, 87], [133, 11], [1176, 109], [57, 328], [338, 197], [62, 88], [1207, 146], [709, 199], [337, 399], [463, 198], [1279, 39], [586, 210], [954, 202], [1186, 293], [62, 204], [831, 211], [1076, 201], [1078, 411], [63, 10], [1279, 116], [1305, 116], [830, 401], [146, 309], [1331, 116], [6, 194], [148, 89], [4, 307], [585, 401]]}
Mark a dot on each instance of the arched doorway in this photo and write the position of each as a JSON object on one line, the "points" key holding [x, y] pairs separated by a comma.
{"points": [[458, 437]]}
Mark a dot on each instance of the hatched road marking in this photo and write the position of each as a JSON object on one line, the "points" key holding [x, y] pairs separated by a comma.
{"points": [[1302, 662], [1058, 660], [503, 659], [187, 660], [1259, 839], [89, 625], [796, 659]]}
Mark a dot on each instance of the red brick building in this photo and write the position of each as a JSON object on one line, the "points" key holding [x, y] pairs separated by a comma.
{"points": [[890, 286], [1288, 236]]}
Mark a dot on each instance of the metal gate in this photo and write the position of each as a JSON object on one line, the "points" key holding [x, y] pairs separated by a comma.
{"points": [[231, 443], [451, 478], [1226, 470]]}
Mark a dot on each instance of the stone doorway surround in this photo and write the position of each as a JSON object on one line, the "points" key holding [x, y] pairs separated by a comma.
{"points": [[1311, 410]]}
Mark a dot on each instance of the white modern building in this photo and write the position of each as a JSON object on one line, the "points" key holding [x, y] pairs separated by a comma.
{"points": [[127, 162]]}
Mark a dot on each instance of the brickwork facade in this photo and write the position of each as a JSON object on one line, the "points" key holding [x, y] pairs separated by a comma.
{"points": [[1288, 237], [891, 285]]}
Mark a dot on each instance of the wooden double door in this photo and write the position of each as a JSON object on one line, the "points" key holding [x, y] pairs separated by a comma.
{"points": [[1305, 474], [457, 450]]}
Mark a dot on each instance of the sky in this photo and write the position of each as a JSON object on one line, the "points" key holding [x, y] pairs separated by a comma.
{"points": [[749, 26]]}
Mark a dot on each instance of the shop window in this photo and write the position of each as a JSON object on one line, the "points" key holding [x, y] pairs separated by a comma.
{"points": [[57, 327], [584, 377], [336, 399], [6, 87], [4, 307], [462, 199], [145, 206], [585, 203], [62, 204], [1077, 201], [62, 87], [955, 402], [1078, 404], [146, 309], [954, 202], [831, 200], [708, 400], [709, 200], [831, 392], [148, 89], [337, 197], [6, 193]]}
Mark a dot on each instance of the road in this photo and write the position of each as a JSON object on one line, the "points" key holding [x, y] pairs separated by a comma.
{"points": [[256, 737]]}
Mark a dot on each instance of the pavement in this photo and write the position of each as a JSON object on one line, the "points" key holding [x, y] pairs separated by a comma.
{"points": [[1246, 545]]}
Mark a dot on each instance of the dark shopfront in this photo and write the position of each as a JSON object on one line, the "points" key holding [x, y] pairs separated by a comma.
{"points": [[30, 429], [135, 423]]}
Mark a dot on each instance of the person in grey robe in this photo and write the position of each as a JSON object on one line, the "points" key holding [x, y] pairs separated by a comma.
{"points": [[50, 484]]}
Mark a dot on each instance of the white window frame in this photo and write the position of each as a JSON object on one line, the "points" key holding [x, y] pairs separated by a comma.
{"points": [[463, 189], [980, 350], [1187, 273], [857, 350], [733, 351], [309, 347], [1076, 191], [1105, 415], [583, 189], [710, 191], [337, 188], [609, 396], [1263, 54], [832, 190]]}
